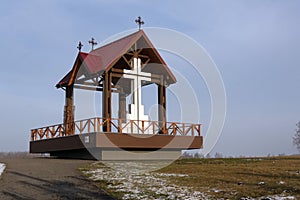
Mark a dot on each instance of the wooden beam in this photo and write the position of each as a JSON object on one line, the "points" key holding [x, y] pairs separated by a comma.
{"points": [[86, 83], [144, 64], [138, 52], [143, 56], [83, 87], [128, 62], [90, 77]]}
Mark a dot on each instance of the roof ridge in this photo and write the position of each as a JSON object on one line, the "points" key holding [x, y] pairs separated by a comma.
{"points": [[131, 34]]}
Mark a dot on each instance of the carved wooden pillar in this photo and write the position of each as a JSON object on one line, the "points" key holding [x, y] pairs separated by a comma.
{"points": [[106, 102], [69, 111], [162, 105]]}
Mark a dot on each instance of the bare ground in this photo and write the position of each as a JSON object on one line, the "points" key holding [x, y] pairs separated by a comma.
{"points": [[45, 178]]}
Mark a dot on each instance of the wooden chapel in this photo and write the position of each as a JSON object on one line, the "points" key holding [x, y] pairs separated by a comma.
{"points": [[122, 66]]}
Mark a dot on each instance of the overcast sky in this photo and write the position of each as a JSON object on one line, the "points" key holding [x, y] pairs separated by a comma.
{"points": [[254, 43]]}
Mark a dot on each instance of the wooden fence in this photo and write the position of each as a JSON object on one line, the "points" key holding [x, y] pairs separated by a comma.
{"points": [[97, 124]]}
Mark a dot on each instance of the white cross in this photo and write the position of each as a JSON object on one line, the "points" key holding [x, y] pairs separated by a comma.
{"points": [[136, 109]]}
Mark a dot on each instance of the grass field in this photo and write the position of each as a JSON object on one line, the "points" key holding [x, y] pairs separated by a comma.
{"points": [[234, 178], [213, 178]]}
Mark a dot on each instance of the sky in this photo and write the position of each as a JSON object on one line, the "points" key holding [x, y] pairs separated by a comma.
{"points": [[255, 45]]}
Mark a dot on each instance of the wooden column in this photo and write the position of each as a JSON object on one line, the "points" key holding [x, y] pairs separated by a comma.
{"points": [[106, 102], [69, 111], [162, 105], [122, 106]]}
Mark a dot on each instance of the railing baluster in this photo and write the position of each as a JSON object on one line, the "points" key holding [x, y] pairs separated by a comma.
{"points": [[95, 120], [98, 124], [80, 125], [193, 129]]}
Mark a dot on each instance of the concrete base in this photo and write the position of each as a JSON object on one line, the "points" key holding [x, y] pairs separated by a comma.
{"points": [[140, 155], [101, 154]]}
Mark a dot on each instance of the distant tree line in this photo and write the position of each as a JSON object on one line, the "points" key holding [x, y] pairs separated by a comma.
{"points": [[187, 154], [199, 155], [17, 155], [296, 138]]}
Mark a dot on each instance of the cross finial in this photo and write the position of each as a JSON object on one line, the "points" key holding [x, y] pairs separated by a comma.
{"points": [[93, 42], [139, 22], [80, 45]]}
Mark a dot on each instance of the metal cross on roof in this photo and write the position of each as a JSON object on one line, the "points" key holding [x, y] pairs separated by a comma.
{"points": [[139, 22], [80, 45], [93, 42]]}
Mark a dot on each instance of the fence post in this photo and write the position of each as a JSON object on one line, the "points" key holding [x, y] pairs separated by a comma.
{"points": [[192, 129], [89, 125], [174, 128], [120, 125], [143, 128], [98, 124], [32, 135]]}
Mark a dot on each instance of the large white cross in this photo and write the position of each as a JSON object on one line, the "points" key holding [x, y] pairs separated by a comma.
{"points": [[136, 109]]}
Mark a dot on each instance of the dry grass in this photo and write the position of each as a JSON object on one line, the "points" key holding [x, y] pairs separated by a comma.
{"points": [[234, 178]]}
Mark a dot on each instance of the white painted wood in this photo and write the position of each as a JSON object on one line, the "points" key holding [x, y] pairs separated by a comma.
{"points": [[136, 108]]}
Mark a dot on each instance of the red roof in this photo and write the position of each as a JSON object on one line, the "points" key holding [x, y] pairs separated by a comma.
{"points": [[105, 57], [93, 62], [112, 51]]}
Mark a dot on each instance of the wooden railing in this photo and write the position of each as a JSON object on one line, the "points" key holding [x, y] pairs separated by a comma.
{"points": [[117, 126]]}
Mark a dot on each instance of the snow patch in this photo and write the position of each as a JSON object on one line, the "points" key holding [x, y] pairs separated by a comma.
{"points": [[134, 183], [274, 197], [170, 175], [281, 182], [2, 167]]}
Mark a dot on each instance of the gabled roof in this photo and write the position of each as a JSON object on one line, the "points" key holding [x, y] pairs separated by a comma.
{"points": [[105, 57]]}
